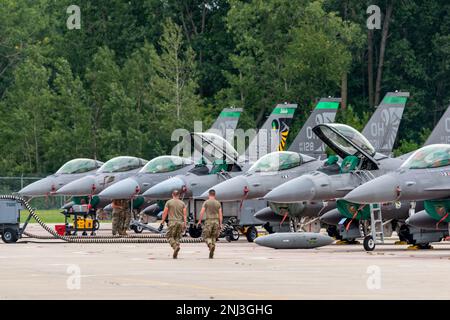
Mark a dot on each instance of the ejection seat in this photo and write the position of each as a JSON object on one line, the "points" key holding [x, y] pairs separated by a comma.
{"points": [[219, 166], [331, 167], [200, 170], [349, 164]]}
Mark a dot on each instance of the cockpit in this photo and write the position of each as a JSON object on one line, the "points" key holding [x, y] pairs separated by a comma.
{"points": [[166, 164], [122, 164], [79, 166], [279, 161], [433, 156], [349, 144]]}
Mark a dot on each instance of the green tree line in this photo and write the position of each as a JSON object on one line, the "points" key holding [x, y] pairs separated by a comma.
{"points": [[136, 70]]}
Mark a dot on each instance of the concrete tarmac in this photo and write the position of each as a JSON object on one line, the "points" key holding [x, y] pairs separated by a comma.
{"points": [[240, 270]]}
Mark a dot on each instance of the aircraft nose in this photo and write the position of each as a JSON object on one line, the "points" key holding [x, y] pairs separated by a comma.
{"points": [[81, 187], [108, 208], [266, 214], [124, 189], [230, 190], [379, 190], [164, 189], [299, 189], [331, 217], [39, 188]]}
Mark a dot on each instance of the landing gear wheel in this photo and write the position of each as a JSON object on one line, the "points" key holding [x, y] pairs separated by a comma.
{"points": [[96, 225], [137, 229], [233, 236], [333, 232], [251, 234], [10, 235], [369, 243]]}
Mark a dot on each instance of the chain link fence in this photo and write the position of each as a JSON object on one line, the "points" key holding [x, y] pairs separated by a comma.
{"points": [[11, 185]]}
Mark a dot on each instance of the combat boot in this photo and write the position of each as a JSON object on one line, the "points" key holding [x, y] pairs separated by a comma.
{"points": [[175, 252], [211, 250]]}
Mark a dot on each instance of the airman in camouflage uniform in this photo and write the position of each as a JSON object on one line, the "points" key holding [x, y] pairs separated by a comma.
{"points": [[176, 210], [213, 221], [126, 220], [119, 216]]}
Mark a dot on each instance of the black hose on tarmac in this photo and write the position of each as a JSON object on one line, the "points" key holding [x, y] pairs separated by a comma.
{"points": [[91, 239]]}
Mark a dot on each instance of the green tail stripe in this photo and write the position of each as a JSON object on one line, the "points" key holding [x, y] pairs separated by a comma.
{"points": [[328, 105], [394, 100], [281, 110], [230, 114]]}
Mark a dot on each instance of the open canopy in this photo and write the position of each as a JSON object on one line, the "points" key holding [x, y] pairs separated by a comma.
{"points": [[166, 164], [346, 141], [80, 165], [122, 164], [278, 161], [214, 147], [433, 156]]}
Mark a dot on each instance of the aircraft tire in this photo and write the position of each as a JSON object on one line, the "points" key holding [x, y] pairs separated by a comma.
{"points": [[251, 234], [369, 244], [137, 229]]}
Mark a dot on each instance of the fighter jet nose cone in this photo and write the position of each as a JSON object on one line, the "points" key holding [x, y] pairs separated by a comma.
{"points": [[231, 190], [39, 188], [331, 217], [80, 187], [299, 189], [124, 189], [164, 189], [294, 240], [266, 214], [381, 189]]}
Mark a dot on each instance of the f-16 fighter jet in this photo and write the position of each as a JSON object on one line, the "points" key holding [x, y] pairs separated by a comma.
{"points": [[419, 230], [70, 171], [390, 110], [422, 182]]}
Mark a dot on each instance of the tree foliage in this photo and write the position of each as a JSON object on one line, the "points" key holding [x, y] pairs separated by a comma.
{"points": [[136, 70]]}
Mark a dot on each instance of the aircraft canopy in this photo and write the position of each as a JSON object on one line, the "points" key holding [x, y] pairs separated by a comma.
{"points": [[432, 156], [166, 164], [121, 164], [344, 138], [278, 161], [79, 165]]}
